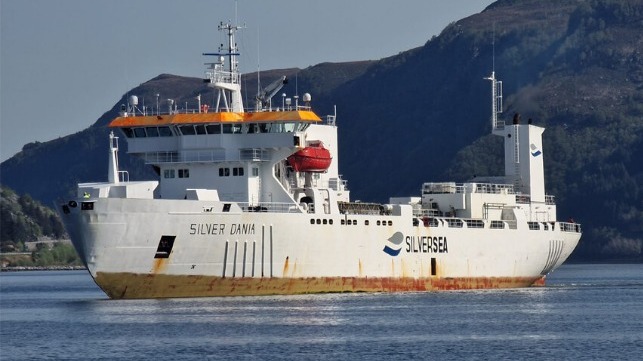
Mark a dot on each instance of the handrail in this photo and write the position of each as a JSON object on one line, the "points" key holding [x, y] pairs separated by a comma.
{"points": [[570, 227], [205, 156], [269, 207], [453, 187]]}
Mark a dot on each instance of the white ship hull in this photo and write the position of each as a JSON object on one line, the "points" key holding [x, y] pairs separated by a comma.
{"points": [[252, 203], [219, 253]]}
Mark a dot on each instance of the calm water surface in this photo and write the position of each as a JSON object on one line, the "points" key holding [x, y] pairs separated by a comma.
{"points": [[585, 312]]}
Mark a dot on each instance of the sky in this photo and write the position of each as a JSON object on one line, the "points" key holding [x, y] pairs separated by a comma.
{"points": [[63, 63]]}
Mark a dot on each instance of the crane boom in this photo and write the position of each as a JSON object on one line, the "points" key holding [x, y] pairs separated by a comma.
{"points": [[269, 91]]}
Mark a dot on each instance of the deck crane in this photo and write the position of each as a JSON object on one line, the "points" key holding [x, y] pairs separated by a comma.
{"points": [[266, 94]]}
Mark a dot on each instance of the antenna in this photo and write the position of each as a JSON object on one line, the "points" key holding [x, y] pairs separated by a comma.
{"points": [[496, 89], [236, 18], [258, 68], [493, 47]]}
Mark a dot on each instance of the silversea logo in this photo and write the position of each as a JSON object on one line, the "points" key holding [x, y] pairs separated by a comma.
{"points": [[415, 244], [396, 240]]}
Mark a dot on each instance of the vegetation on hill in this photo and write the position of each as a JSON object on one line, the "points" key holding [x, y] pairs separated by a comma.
{"points": [[588, 95], [23, 219], [575, 67], [59, 255]]}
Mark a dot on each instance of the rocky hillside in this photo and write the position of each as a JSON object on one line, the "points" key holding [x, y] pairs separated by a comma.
{"points": [[575, 67]]}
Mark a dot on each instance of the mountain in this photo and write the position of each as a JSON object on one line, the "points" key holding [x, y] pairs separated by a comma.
{"points": [[575, 67]]}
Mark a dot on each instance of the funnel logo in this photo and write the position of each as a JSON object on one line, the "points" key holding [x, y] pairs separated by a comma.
{"points": [[534, 150], [396, 244]]}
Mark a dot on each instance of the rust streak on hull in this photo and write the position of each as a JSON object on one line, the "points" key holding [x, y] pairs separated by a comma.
{"points": [[129, 285]]}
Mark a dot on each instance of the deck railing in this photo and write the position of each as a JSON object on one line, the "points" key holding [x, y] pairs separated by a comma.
{"points": [[205, 156], [269, 207]]}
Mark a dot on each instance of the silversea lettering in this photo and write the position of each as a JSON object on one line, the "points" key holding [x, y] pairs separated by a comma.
{"points": [[220, 229], [426, 244]]}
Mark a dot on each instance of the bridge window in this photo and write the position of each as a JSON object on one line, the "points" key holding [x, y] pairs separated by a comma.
{"points": [[255, 171], [187, 130], [302, 126], [168, 173], [200, 129], [213, 128], [165, 132], [128, 132], [252, 128], [152, 131], [224, 172], [237, 171], [139, 132]]}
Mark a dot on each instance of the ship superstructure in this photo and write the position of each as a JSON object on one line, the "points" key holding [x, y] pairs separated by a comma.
{"points": [[251, 203]]}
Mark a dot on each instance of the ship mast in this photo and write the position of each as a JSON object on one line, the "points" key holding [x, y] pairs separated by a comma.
{"points": [[112, 171], [496, 104], [226, 81]]}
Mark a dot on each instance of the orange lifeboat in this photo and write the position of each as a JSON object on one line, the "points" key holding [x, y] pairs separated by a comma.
{"points": [[314, 158]]}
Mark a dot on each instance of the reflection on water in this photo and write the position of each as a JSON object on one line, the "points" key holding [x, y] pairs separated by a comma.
{"points": [[586, 311]]}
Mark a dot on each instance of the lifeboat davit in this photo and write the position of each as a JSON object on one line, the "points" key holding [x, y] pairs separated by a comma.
{"points": [[314, 158]]}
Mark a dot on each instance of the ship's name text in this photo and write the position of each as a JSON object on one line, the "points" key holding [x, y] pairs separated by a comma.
{"points": [[426, 244], [217, 229]]}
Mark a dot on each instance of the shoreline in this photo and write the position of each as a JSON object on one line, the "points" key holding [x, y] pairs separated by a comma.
{"points": [[42, 268]]}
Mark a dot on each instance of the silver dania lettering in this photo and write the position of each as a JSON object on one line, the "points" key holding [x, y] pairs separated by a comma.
{"points": [[217, 229], [207, 228]]}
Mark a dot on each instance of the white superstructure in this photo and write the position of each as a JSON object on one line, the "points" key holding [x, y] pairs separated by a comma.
{"points": [[253, 203]]}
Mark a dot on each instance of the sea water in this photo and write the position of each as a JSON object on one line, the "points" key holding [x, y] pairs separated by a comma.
{"points": [[589, 311]]}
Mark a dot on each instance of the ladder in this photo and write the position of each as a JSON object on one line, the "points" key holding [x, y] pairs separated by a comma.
{"points": [[517, 178]]}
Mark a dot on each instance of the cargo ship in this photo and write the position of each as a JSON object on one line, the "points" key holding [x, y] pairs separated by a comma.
{"points": [[251, 202]]}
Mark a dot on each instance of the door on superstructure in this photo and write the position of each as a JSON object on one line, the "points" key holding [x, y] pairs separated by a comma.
{"points": [[254, 185]]}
